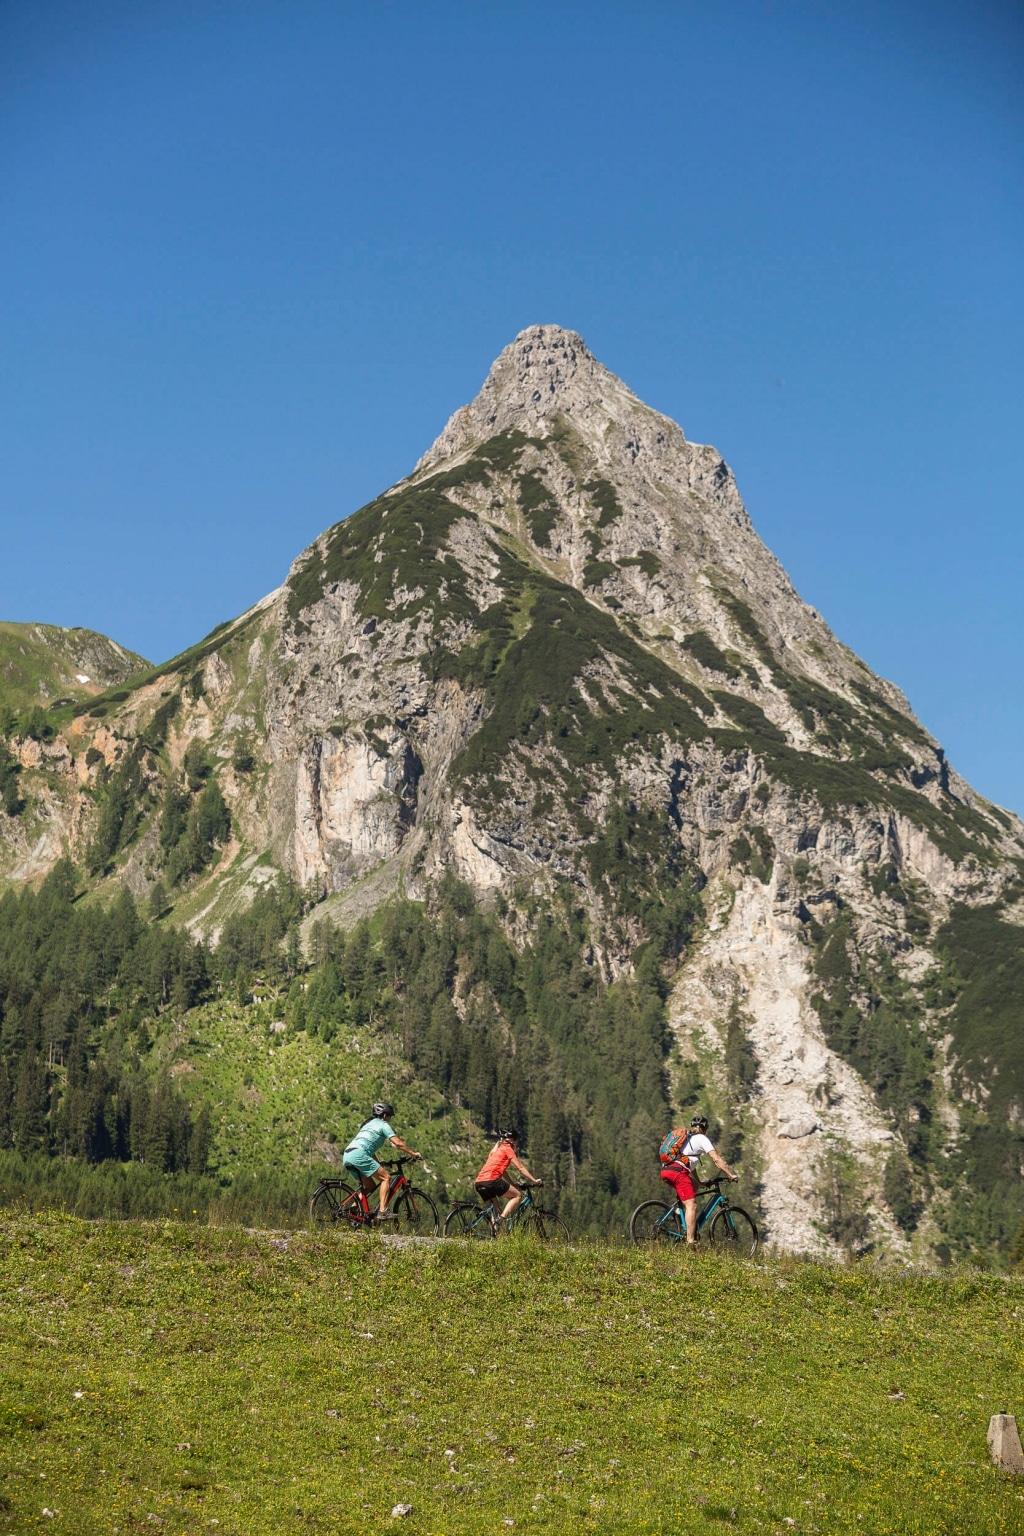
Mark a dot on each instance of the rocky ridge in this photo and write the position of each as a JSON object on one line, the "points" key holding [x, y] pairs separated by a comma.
{"points": [[558, 656]]}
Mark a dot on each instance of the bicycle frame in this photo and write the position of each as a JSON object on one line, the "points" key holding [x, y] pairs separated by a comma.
{"points": [[715, 1203], [398, 1182], [486, 1212]]}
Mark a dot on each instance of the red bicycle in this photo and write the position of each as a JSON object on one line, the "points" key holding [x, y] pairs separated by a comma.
{"points": [[335, 1203]]}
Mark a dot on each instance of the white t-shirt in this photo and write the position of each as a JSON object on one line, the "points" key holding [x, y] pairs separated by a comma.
{"points": [[693, 1149]]}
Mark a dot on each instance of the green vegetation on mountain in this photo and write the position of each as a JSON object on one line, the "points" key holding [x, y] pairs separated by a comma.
{"points": [[122, 1041], [876, 1020], [186, 662], [703, 648], [547, 695], [986, 952], [983, 978], [170, 1377], [394, 547], [67, 968], [10, 768], [42, 665], [873, 1020], [96, 1005], [647, 561], [124, 802], [539, 507], [605, 498], [194, 820]]}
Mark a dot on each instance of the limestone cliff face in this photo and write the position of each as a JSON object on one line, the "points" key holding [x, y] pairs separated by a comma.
{"points": [[562, 633]]}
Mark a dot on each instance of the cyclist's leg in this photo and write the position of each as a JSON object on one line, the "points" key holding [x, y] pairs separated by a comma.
{"points": [[383, 1177], [370, 1175], [682, 1182], [513, 1202], [490, 1192]]}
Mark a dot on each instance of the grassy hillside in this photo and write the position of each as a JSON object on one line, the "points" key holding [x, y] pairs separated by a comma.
{"points": [[181, 1379], [291, 1100], [41, 663]]}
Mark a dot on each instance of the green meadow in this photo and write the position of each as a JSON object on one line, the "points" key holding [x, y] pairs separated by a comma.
{"points": [[164, 1377]]}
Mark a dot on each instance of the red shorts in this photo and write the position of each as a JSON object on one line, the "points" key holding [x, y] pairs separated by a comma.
{"points": [[681, 1180]]}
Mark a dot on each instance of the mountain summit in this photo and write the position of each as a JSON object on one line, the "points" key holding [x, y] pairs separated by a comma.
{"points": [[558, 662], [545, 373]]}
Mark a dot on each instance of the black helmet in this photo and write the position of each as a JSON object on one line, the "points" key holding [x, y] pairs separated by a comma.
{"points": [[382, 1110], [699, 1123], [508, 1135]]}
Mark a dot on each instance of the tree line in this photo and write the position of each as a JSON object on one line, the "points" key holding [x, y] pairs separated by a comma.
{"points": [[537, 1036]]}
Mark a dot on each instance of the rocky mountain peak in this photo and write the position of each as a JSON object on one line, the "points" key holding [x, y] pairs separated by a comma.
{"points": [[546, 373]]}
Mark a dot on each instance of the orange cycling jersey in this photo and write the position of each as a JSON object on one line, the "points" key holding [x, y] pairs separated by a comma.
{"points": [[495, 1166]]}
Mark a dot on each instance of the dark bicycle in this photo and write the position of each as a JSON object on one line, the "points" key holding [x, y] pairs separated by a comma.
{"points": [[729, 1229], [335, 1203], [468, 1219]]}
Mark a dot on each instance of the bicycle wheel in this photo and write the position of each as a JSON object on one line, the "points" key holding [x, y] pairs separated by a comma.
{"points": [[733, 1231], [329, 1198], [416, 1213], [646, 1224], [468, 1221], [542, 1226]]}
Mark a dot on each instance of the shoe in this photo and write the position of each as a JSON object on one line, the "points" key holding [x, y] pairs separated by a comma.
{"points": [[386, 1216]]}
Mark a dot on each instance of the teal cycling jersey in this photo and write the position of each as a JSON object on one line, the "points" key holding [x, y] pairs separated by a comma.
{"points": [[369, 1138]]}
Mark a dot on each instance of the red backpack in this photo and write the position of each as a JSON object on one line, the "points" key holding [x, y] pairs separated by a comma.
{"points": [[673, 1144]]}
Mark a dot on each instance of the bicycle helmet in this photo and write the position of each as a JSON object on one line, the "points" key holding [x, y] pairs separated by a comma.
{"points": [[508, 1135], [382, 1110], [699, 1123]]}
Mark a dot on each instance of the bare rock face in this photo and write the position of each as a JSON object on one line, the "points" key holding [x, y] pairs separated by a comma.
{"points": [[558, 656]]}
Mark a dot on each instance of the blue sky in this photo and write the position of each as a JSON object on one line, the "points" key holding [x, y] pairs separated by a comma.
{"points": [[253, 255]]}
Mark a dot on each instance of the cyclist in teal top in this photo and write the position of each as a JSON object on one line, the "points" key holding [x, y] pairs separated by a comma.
{"points": [[359, 1156]]}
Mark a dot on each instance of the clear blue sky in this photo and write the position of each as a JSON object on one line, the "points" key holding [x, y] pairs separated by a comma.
{"points": [[252, 255]]}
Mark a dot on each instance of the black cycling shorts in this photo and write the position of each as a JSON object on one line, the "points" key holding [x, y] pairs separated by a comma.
{"points": [[491, 1189]]}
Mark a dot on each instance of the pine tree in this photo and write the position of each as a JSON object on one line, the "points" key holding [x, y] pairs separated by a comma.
{"points": [[214, 818], [29, 1131], [196, 765], [173, 816], [6, 1105], [201, 1140]]}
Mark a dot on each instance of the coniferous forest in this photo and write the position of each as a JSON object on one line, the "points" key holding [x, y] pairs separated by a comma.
{"points": [[538, 1033], [540, 1037]]}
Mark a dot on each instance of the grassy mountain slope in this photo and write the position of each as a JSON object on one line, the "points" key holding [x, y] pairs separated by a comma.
{"points": [[42, 664], [166, 1377]]}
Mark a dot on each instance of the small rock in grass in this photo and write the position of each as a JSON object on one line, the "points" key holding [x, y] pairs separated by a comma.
{"points": [[400, 1511]]}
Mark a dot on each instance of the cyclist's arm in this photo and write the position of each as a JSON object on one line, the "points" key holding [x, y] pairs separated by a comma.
{"points": [[403, 1146], [720, 1163], [524, 1170]]}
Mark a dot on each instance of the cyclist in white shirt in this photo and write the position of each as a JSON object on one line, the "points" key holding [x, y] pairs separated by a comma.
{"points": [[682, 1174]]}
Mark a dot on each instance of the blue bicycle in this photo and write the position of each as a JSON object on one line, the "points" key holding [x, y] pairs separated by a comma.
{"points": [[729, 1229]]}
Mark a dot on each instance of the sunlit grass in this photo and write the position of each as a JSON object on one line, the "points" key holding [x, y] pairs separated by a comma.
{"points": [[175, 1378]]}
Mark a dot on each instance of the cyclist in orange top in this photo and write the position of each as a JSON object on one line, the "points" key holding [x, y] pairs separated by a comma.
{"points": [[491, 1183]]}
